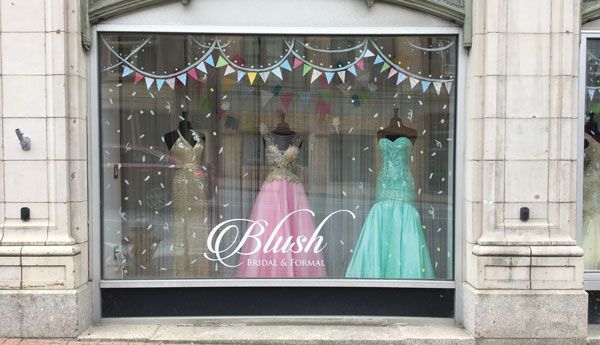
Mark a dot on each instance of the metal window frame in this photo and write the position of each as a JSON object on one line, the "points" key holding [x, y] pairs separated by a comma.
{"points": [[94, 158]]}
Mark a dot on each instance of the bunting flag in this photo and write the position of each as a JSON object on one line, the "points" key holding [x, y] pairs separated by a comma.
{"points": [[306, 69], [202, 67], [159, 83], [448, 86], [361, 64], [392, 73], [171, 83], [425, 85], [221, 62], [378, 60], [342, 76], [126, 71], [384, 67], [315, 75], [352, 70], [264, 76], [182, 78], [138, 78], [401, 78], [209, 61], [329, 76], [251, 77], [286, 99], [369, 53], [265, 97], [413, 82], [438, 87], [286, 65], [277, 73], [193, 74], [297, 63], [240, 75], [228, 70], [149, 82], [591, 93]]}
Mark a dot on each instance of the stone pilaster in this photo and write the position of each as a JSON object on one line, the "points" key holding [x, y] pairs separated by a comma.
{"points": [[43, 261], [521, 152]]}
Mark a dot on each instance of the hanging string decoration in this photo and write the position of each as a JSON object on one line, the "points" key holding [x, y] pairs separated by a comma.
{"points": [[367, 52]]}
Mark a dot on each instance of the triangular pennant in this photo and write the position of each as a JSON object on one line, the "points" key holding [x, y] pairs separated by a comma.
{"points": [[171, 83], [138, 77], [277, 72], [251, 77], [392, 73], [297, 63], [369, 53], [425, 84], [438, 86], [384, 67], [286, 98], [126, 71], [193, 74], [306, 69], [378, 60], [352, 70], [286, 65], [228, 70], [315, 75], [264, 76], [202, 67], [240, 75], [448, 86], [591, 93], [304, 96], [329, 76], [401, 77], [413, 82], [182, 78], [265, 96], [209, 61], [149, 82], [159, 83], [221, 62], [361, 64], [342, 76]]}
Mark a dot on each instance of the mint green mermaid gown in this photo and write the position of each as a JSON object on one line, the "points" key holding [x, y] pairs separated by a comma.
{"points": [[391, 243]]}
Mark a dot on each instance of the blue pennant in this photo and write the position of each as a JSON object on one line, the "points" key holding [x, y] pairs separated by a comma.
{"points": [[329, 76], [425, 85], [240, 75], [401, 78], [182, 78], [286, 65], [209, 61], [126, 71], [159, 83], [378, 60], [352, 70]]}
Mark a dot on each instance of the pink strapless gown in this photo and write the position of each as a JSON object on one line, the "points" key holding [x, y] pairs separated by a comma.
{"points": [[275, 201]]}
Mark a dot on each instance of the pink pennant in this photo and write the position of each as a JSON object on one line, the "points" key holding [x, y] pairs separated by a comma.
{"points": [[193, 74], [286, 98], [297, 63], [361, 64], [138, 77], [323, 107]]}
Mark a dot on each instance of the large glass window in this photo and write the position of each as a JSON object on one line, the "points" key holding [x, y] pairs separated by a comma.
{"points": [[253, 156]]}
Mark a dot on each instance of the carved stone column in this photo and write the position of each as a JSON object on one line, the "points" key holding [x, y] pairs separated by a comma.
{"points": [[524, 279], [44, 260]]}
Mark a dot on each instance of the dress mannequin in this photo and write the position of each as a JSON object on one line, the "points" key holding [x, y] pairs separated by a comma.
{"points": [[189, 190], [396, 130]]}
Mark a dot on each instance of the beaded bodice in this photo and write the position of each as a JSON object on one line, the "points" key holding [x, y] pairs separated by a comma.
{"points": [[187, 154], [395, 181], [591, 179], [282, 163]]}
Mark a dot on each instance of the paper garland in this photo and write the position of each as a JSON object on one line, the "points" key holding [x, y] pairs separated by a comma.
{"points": [[309, 69]]}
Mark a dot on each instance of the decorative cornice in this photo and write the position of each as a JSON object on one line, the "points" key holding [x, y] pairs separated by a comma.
{"points": [[590, 12], [452, 13]]}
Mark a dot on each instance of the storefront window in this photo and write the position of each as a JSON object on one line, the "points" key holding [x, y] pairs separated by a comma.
{"points": [[591, 178], [253, 156]]}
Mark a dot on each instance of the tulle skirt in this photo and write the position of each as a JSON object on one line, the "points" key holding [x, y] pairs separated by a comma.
{"points": [[275, 201], [391, 244]]}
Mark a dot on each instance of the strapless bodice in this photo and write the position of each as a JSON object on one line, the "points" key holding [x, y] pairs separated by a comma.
{"points": [[395, 181]]}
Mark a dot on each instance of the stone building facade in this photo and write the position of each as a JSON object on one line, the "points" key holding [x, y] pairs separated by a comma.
{"points": [[519, 105]]}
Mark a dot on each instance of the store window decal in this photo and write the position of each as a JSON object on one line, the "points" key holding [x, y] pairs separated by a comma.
{"points": [[260, 156]]}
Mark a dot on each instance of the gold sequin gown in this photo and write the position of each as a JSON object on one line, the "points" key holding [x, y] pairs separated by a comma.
{"points": [[190, 222]]}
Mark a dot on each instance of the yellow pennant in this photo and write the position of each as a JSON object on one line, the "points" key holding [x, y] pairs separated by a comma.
{"points": [[251, 76]]}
